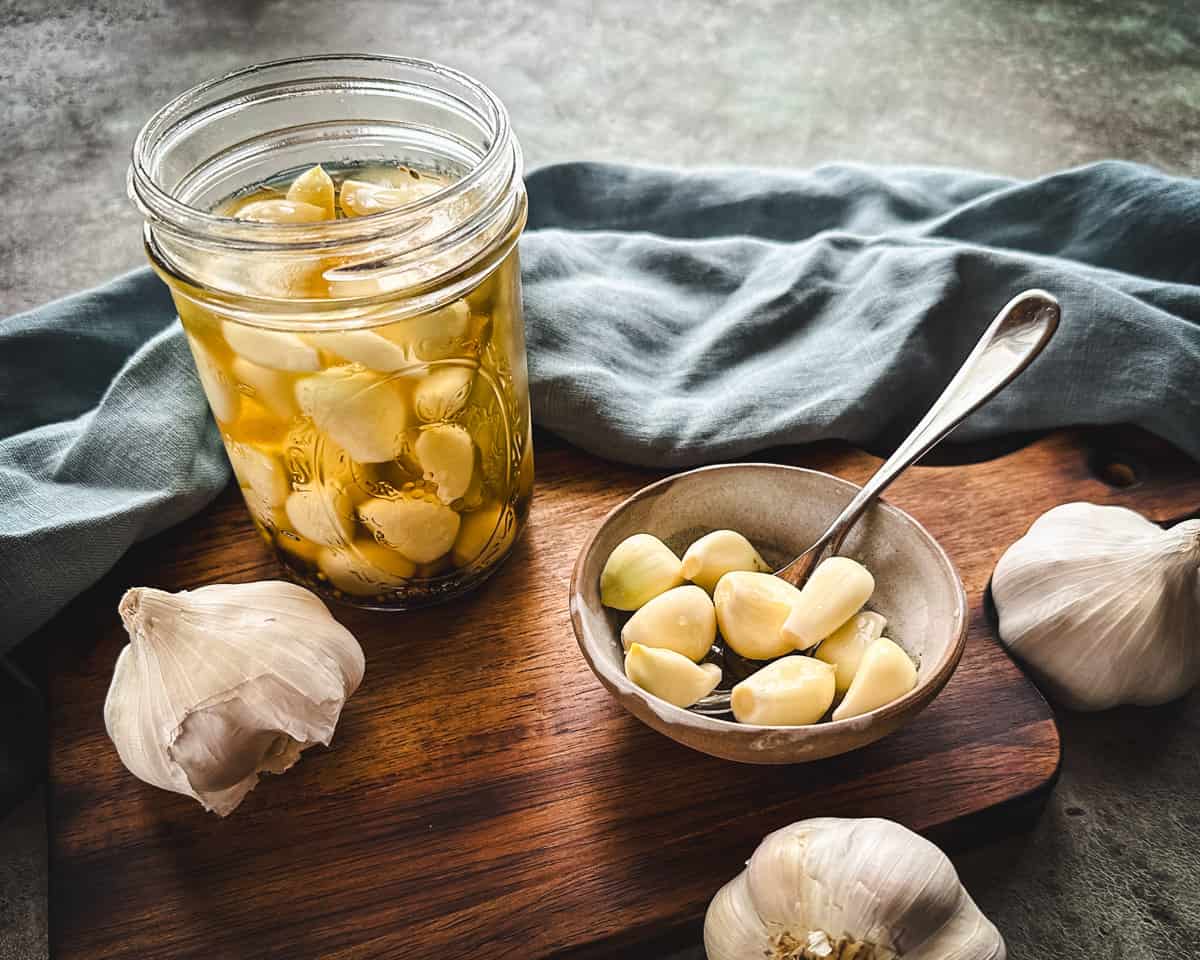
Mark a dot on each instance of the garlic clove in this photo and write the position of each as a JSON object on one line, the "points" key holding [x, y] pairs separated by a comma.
{"points": [[844, 647], [276, 349], [716, 554], [443, 393], [223, 396], [365, 570], [280, 211], [1102, 604], [885, 673], [792, 691], [373, 351], [440, 334], [360, 199], [272, 388], [476, 532], [870, 888], [446, 454], [224, 682], [314, 188], [638, 570], [835, 592], [420, 529], [321, 516], [751, 610], [670, 676], [391, 562], [362, 413], [261, 476], [682, 619]]}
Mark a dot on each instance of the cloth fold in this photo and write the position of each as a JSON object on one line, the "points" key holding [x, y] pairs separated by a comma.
{"points": [[673, 317]]}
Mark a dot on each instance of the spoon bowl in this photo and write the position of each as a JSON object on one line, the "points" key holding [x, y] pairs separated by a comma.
{"points": [[782, 510]]}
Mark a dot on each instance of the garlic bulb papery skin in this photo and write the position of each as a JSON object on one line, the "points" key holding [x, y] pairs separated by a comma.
{"points": [[224, 682], [1103, 606], [838, 889]]}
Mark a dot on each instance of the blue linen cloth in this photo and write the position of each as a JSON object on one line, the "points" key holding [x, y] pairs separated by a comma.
{"points": [[673, 317]]}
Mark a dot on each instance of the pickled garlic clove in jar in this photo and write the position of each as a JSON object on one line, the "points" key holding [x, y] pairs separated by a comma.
{"points": [[280, 211], [442, 393], [477, 530], [272, 388], [446, 454], [367, 347], [325, 516], [360, 411], [422, 529], [358, 198], [222, 393], [314, 188], [276, 349]]}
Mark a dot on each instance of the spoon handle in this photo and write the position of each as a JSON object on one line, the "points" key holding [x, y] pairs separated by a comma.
{"points": [[1007, 347]]}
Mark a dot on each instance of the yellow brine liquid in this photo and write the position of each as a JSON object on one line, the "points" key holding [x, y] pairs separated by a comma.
{"points": [[389, 463]]}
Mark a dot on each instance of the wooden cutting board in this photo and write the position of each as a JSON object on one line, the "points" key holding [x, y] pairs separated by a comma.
{"points": [[483, 795]]}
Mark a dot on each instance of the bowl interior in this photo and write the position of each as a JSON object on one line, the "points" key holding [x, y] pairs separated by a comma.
{"points": [[781, 510]]}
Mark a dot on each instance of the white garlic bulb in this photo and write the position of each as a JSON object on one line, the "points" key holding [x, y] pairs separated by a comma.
{"points": [[838, 889], [221, 683], [1103, 605]]}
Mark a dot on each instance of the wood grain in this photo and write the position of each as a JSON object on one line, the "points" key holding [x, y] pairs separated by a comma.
{"points": [[482, 788]]}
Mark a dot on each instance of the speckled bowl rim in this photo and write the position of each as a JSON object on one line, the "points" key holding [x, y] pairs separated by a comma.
{"points": [[617, 683]]}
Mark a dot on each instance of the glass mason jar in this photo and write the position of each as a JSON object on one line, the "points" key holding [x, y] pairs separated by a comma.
{"points": [[366, 365]]}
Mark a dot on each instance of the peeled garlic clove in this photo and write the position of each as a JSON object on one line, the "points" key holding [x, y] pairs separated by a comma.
{"points": [[271, 388], [367, 347], [421, 530], [391, 562], [361, 199], [443, 393], [365, 569], [682, 619], [670, 676], [477, 530], [222, 395], [1102, 605], [844, 647], [261, 476], [447, 457], [276, 349], [437, 335], [221, 683], [716, 554], [792, 691], [280, 211], [361, 412], [835, 592], [751, 610], [321, 516], [313, 188], [885, 674], [638, 570], [863, 889]]}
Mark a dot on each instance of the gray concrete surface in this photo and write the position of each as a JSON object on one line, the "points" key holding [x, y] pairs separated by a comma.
{"points": [[1021, 88]]}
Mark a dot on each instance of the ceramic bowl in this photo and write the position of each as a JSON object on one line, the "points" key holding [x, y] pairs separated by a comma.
{"points": [[781, 510]]}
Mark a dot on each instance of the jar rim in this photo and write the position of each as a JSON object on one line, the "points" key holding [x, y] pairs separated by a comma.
{"points": [[158, 204]]}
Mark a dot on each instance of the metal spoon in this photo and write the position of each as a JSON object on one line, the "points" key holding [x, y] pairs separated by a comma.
{"points": [[1007, 347]]}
